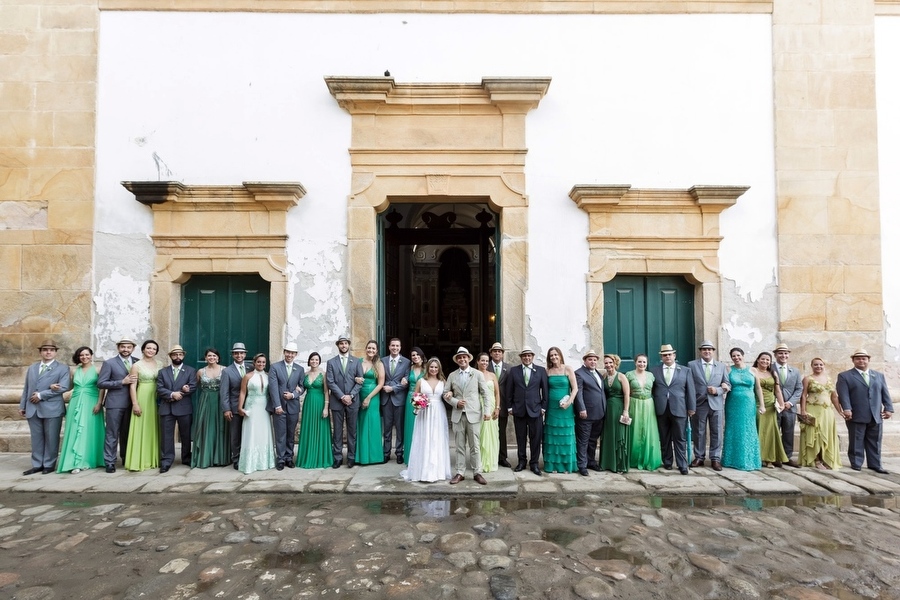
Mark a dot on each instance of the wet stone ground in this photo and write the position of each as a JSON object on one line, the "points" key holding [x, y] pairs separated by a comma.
{"points": [[285, 546]]}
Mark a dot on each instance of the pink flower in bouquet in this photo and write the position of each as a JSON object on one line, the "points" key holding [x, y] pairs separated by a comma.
{"points": [[419, 401]]}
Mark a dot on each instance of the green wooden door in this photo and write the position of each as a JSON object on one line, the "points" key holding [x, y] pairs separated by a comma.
{"points": [[642, 313], [218, 310]]}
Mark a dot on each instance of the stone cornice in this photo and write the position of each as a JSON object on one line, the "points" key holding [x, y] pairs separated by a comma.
{"points": [[622, 198], [203, 198]]}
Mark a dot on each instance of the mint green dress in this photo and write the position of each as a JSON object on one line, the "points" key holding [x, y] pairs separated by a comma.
{"points": [[409, 417], [142, 451], [369, 435], [559, 429], [82, 446], [646, 452]]}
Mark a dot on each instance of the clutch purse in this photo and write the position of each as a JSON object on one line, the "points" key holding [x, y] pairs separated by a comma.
{"points": [[625, 420], [807, 420]]}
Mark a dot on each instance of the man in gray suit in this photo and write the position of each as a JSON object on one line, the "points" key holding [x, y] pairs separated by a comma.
{"points": [[675, 400], [116, 378], [175, 386], [42, 404], [229, 394], [501, 370], [864, 396], [710, 384], [791, 388], [393, 399], [465, 392], [285, 389], [340, 377], [590, 408]]}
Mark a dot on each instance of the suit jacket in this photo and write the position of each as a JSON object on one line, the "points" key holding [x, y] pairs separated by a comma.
{"points": [[472, 391], [590, 397], [51, 404], [398, 396], [166, 384], [791, 386], [679, 395], [527, 400], [866, 401], [501, 381], [342, 383], [718, 374], [279, 382], [230, 388], [112, 372]]}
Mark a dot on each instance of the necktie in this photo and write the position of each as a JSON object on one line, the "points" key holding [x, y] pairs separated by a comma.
{"points": [[175, 371], [866, 377], [597, 377], [783, 370], [527, 375], [707, 370], [393, 365], [241, 369], [290, 367], [497, 371], [668, 375], [343, 364], [127, 364], [45, 367]]}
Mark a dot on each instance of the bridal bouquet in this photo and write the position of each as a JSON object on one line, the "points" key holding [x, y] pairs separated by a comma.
{"points": [[419, 401]]}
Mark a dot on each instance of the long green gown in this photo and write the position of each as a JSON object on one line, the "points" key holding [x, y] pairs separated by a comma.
{"points": [[770, 447], [368, 434], [615, 449], [489, 437], [409, 417], [82, 446], [646, 452], [821, 438], [211, 436], [314, 447], [740, 441], [142, 451], [559, 429]]}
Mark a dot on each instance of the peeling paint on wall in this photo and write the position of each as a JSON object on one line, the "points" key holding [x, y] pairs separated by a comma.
{"points": [[122, 307], [319, 311]]}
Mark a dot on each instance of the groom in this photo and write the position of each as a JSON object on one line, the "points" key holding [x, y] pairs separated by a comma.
{"points": [[465, 392]]}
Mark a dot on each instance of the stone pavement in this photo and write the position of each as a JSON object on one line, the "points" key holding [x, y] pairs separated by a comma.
{"points": [[384, 480]]}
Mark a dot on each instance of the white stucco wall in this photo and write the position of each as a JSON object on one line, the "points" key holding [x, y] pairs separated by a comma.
{"points": [[225, 98]]}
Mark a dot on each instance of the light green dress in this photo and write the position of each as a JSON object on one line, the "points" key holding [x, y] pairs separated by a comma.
{"points": [[646, 451], [821, 438], [142, 451], [770, 448], [82, 446], [490, 432]]}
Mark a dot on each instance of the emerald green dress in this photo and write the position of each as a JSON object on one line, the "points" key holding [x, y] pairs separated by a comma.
{"points": [[646, 452], [409, 417], [770, 447], [615, 449], [314, 447], [559, 429], [369, 436], [82, 446], [210, 433], [142, 451]]}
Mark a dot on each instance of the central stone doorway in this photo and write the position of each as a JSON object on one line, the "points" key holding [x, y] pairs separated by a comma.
{"points": [[438, 268]]}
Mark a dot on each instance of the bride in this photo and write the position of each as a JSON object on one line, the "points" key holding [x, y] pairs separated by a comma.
{"points": [[429, 456]]}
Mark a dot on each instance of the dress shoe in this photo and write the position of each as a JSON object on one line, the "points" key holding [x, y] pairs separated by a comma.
{"points": [[399, 459], [480, 479], [683, 471], [583, 472], [855, 468], [164, 469], [235, 466], [667, 467], [186, 460], [351, 463], [519, 467], [504, 463], [595, 467], [793, 463], [777, 465], [289, 464], [280, 466], [879, 470], [716, 465], [32, 471], [110, 468], [456, 479], [46, 471], [336, 464], [697, 462], [386, 460], [535, 470]]}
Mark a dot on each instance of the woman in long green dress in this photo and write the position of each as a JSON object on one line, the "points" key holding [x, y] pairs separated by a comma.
{"points": [[369, 435], [416, 369], [212, 443], [615, 449], [489, 438], [314, 447], [743, 404], [82, 446], [819, 444], [142, 451], [559, 426], [771, 450], [646, 452]]}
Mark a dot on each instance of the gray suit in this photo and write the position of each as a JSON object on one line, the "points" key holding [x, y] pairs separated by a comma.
{"points": [[467, 420], [673, 402], [45, 416], [229, 396], [393, 405], [590, 398], [285, 424], [343, 383], [118, 405], [709, 408], [864, 427], [175, 411], [791, 388]]}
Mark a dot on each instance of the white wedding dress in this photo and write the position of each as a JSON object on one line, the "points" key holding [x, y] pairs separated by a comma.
{"points": [[429, 456]]}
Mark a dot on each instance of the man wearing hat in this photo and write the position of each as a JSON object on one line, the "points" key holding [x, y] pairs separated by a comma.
{"points": [[527, 390], [116, 378], [710, 384], [42, 404], [791, 388], [229, 395], [175, 386], [465, 392], [340, 377], [675, 400], [501, 370], [285, 389], [864, 396], [590, 408]]}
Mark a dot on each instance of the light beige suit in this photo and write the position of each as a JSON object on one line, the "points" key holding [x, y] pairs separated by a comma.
{"points": [[467, 420]]}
